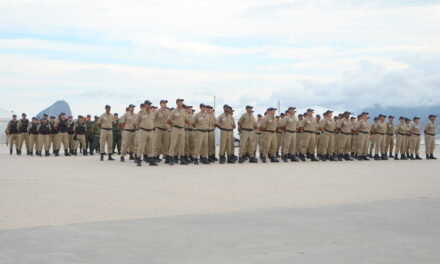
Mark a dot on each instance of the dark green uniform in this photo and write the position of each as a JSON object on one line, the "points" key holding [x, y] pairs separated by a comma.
{"points": [[90, 135], [95, 145], [116, 136]]}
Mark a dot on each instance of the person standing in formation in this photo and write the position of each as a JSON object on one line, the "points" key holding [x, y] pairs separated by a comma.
{"points": [[415, 131], [247, 126], [201, 123], [105, 122], [23, 125], [225, 122], [12, 131], [128, 132], [177, 119], [430, 129], [289, 125]]}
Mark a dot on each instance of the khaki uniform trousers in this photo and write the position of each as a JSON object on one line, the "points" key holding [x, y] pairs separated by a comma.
{"points": [[44, 141], [326, 143], [201, 144], [407, 143], [56, 141], [344, 146], [13, 139], [81, 141], [289, 143], [128, 138], [177, 142], [400, 144], [225, 143], [415, 144], [379, 144], [429, 144], [145, 143], [189, 142], [299, 140], [389, 143], [247, 143], [362, 144], [211, 142], [372, 143], [257, 141], [308, 140], [279, 141], [354, 142], [270, 143], [106, 136], [33, 142], [63, 138], [23, 137], [161, 142]]}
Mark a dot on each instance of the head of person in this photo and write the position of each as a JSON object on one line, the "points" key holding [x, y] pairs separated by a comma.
{"points": [[226, 109], [432, 117], [23, 115], [381, 118], [402, 119], [14, 117], [249, 109], [291, 110], [142, 106], [202, 108], [69, 118], [231, 111], [309, 112], [62, 116], [96, 118], [89, 117], [391, 118], [416, 120], [318, 117], [163, 104], [347, 115], [34, 120], [80, 119], [131, 108], [179, 102], [44, 120], [407, 120], [300, 117], [116, 116], [147, 105], [107, 109], [329, 113], [189, 109], [209, 109], [259, 116], [277, 117], [271, 111]]}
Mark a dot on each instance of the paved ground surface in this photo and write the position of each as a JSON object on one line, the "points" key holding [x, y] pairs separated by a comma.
{"points": [[80, 210]]}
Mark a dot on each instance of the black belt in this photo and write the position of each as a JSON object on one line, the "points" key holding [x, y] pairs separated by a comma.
{"points": [[317, 133], [290, 131], [415, 134], [129, 130], [307, 131], [202, 130], [363, 132], [189, 129], [247, 129], [258, 133], [270, 131], [163, 129], [226, 129], [401, 134], [350, 133], [106, 128], [279, 132], [146, 129], [177, 126], [211, 130], [328, 131], [383, 134], [430, 134], [390, 134]]}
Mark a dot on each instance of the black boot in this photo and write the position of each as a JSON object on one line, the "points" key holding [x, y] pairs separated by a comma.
{"points": [[57, 153], [204, 160], [411, 157], [47, 154], [66, 153], [110, 157], [131, 156], [145, 158], [176, 159], [428, 157], [253, 160], [31, 153], [196, 161], [91, 152], [403, 157], [214, 158], [293, 158], [183, 161], [384, 157], [284, 158], [241, 160], [39, 153], [339, 157], [102, 157], [263, 159], [222, 159], [347, 157], [153, 161], [84, 152], [432, 156], [122, 159], [376, 157], [301, 157], [10, 151], [418, 157], [231, 160], [18, 152], [170, 160], [273, 159], [332, 158], [138, 161], [396, 157], [313, 158], [323, 157], [391, 155]]}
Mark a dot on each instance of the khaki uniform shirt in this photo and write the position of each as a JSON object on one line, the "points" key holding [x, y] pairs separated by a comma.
{"points": [[345, 125], [178, 117], [201, 121], [390, 128], [415, 129], [309, 124], [128, 119], [380, 127], [247, 121], [290, 122], [145, 119], [106, 120], [161, 118], [226, 121], [430, 127], [269, 123], [401, 128], [328, 124]]}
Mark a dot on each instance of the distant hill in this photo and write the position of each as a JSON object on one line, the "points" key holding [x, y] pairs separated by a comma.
{"points": [[55, 109]]}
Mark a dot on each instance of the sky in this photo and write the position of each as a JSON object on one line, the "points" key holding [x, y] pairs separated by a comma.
{"points": [[341, 55]]}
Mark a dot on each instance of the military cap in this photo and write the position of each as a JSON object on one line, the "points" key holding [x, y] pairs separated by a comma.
{"points": [[416, 117], [248, 106], [163, 101], [202, 105], [277, 116], [318, 116], [282, 114], [310, 110], [89, 116], [381, 115], [62, 114], [225, 106], [351, 118], [34, 118], [107, 106], [189, 106], [52, 117], [154, 107], [96, 116], [24, 114], [271, 109], [432, 116], [400, 118], [184, 105], [330, 111], [115, 114], [209, 107], [45, 114], [259, 115], [291, 108], [147, 102], [70, 117], [407, 119], [80, 116], [14, 115], [142, 105], [348, 113], [179, 100], [390, 116], [300, 115], [363, 113], [131, 105]]}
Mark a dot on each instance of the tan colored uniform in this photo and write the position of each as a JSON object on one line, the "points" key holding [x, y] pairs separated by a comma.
{"points": [[189, 138], [62, 137], [201, 124], [308, 135], [33, 137], [211, 135], [430, 128], [128, 133], [354, 138], [415, 138], [145, 123], [226, 124], [314, 148], [389, 142], [178, 118], [269, 125], [364, 128], [106, 136], [44, 131], [247, 134], [290, 122], [23, 125], [161, 133], [327, 139], [12, 129], [345, 127], [80, 129], [400, 141], [257, 137], [380, 129]]}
